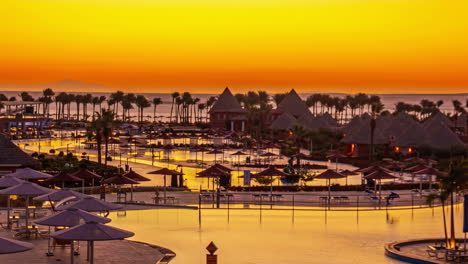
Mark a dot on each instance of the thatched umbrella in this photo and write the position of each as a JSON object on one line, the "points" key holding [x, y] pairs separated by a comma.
{"points": [[348, 173], [87, 175], [29, 174], [91, 232], [63, 177], [121, 180], [428, 171], [270, 172], [329, 175], [238, 154], [214, 152], [5, 182], [165, 171], [27, 189], [379, 175], [8, 246], [213, 172], [334, 154]]}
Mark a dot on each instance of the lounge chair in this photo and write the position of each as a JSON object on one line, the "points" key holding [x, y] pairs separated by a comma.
{"points": [[436, 252]]}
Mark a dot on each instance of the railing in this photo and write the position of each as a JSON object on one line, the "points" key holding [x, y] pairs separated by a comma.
{"points": [[315, 201]]}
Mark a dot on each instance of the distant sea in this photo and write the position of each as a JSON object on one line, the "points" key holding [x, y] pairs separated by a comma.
{"points": [[389, 100]]}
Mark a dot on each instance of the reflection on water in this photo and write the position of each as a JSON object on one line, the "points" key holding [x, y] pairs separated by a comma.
{"points": [[340, 237]]}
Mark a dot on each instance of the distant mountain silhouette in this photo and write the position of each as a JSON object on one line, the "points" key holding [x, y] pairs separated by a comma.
{"points": [[75, 86]]}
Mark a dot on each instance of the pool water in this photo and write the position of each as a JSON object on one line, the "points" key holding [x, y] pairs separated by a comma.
{"points": [[275, 236]]}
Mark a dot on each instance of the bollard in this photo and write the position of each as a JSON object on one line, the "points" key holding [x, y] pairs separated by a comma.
{"points": [[211, 258]]}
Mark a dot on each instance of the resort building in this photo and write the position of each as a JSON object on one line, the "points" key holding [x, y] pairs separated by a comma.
{"points": [[227, 113], [399, 133], [292, 111], [22, 118], [12, 157]]}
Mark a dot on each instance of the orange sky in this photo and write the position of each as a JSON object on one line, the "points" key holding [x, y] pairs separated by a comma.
{"points": [[379, 46]]}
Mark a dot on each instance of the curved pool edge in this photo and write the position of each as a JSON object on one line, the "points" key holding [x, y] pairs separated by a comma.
{"points": [[169, 255], [392, 250]]}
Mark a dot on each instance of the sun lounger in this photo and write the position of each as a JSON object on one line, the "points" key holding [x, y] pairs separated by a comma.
{"points": [[436, 252]]}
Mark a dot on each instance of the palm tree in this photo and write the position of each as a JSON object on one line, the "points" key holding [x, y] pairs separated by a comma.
{"points": [[455, 181], [95, 101], [102, 98], [279, 97], [127, 104], [442, 197], [48, 93], [194, 104], [201, 107], [26, 97], [141, 103], [174, 95], [105, 125], [79, 99], [458, 107], [117, 98], [156, 101], [376, 108], [87, 99]]}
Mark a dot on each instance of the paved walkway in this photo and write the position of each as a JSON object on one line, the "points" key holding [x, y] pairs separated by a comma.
{"points": [[109, 252]]}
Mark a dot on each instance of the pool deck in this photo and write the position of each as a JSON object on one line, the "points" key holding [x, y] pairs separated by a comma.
{"points": [[109, 252], [415, 251]]}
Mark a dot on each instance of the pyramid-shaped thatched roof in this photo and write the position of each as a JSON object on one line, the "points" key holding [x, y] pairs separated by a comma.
{"points": [[12, 154], [355, 123], [362, 135], [414, 135], [312, 123], [293, 105], [284, 122], [462, 120], [439, 118], [439, 135], [329, 119], [227, 103]]}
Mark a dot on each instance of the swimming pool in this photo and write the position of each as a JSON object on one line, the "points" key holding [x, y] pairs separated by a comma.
{"points": [[243, 237]]}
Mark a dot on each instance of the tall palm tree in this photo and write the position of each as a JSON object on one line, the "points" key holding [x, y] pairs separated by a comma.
{"points": [[105, 124], [48, 93], [194, 111], [117, 98], [102, 98], [94, 102], [376, 109], [127, 105], [201, 107], [174, 95], [455, 181], [79, 99], [87, 99], [156, 101], [141, 103]]}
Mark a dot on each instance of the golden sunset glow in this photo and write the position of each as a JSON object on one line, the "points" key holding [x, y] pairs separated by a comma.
{"points": [[328, 45]]}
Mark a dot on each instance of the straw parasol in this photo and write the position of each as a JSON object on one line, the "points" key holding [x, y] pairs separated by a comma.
{"points": [[71, 217], [26, 189], [270, 172], [91, 232], [214, 152], [213, 172], [335, 154], [329, 175], [165, 172], [87, 175], [135, 176], [348, 173], [29, 174], [5, 182], [63, 177], [380, 175], [371, 169], [238, 154], [91, 204], [59, 195], [8, 246], [8, 181], [67, 218], [428, 171]]}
